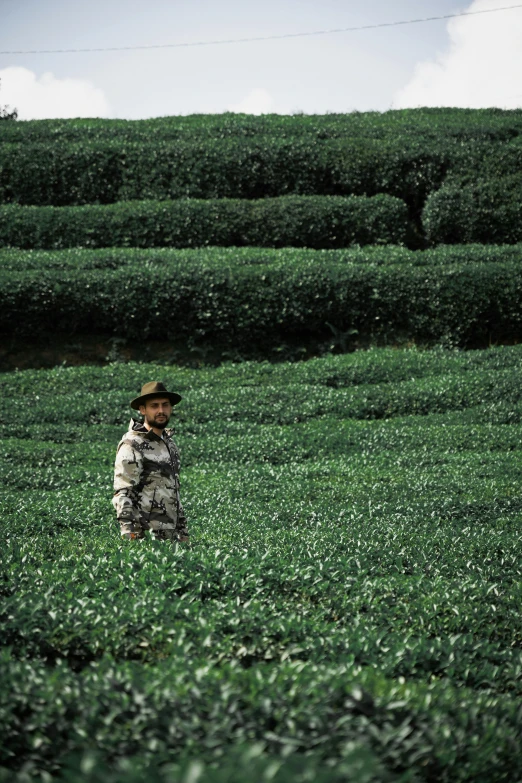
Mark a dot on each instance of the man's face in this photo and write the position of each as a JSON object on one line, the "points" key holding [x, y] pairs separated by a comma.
{"points": [[157, 412]]}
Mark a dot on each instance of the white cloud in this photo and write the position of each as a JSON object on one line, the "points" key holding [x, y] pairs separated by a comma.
{"points": [[49, 97], [258, 101], [481, 68]]}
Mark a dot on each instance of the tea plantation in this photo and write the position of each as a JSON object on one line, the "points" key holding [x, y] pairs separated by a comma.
{"points": [[349, 608]]}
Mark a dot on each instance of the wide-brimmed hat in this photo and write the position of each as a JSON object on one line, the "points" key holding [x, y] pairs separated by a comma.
{"points": [[154, 389]]}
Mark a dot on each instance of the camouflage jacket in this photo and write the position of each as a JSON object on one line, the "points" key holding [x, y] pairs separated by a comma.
{"points": [[146, 480]]}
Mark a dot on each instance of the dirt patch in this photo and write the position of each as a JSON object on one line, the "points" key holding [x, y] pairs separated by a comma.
{"points": [[47, 351]]}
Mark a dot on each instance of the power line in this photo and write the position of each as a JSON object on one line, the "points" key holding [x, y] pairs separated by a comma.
{"points": [[266, 37]]}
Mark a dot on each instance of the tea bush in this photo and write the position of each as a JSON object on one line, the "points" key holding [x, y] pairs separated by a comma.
{"points": [[312, 221], [460, 125], [348, 608], [234, 299], [17, 260], [57, 174], [408, 154], [486, 211]]}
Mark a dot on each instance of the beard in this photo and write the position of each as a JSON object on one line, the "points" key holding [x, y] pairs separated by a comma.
{"points": [[158, 421]]}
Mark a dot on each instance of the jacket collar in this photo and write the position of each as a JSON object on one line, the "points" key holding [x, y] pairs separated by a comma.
{"points": [[138, 428]]}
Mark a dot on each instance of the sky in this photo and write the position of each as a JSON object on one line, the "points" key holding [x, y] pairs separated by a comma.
{"points": [[470, 61]]}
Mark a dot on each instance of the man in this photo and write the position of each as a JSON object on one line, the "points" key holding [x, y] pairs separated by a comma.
{"points": [[146, 473]]}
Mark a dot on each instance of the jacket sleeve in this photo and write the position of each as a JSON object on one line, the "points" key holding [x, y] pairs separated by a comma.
{"points": [[127, 476], [181, 524]]}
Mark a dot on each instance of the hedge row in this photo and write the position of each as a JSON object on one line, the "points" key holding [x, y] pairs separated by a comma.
{"points": [[300, 221], [106, 172], [240, 305], [451, 123], [216, 258], [488, 212]]}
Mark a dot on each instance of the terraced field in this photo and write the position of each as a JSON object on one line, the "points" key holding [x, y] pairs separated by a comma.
{"points": [[349, 606]]}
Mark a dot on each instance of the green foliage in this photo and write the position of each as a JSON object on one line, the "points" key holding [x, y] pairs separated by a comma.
{"points": [[117, 170], [244, 761], [349, 608], [314, 221], [460, 125], [406, 154], [6, 113], [16, 260], [486, 211], [239, 298]]}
